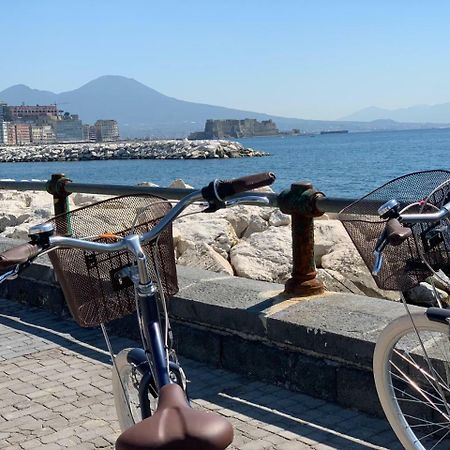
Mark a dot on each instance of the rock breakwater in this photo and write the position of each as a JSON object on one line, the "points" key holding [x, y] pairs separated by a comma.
{"points": [[167, 149]]}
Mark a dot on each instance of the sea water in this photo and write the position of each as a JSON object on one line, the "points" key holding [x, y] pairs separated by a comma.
{"points": [[341, 165]]}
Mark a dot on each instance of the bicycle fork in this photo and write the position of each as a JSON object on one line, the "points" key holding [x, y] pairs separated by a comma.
{"points": [[148, 315]]}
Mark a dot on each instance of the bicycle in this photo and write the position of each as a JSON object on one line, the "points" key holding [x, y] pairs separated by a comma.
{"points": [[116, 257], [407, 243]]}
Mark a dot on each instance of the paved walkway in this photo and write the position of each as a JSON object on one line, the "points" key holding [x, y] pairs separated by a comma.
{"points": [[55, 393]]}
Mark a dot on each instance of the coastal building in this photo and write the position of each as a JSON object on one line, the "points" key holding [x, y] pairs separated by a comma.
{"points": [[22, 133], [10, 134], [4, 112], [68, 128], [28, 112], [222, 129], [106, 130], [89, 133], [3, 132], [42, 134]]}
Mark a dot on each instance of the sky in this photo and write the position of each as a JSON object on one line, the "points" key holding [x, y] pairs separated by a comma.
{"points": [[307, 59]]}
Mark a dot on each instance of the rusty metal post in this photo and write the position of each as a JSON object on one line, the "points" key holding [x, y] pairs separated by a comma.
{"points": [[300, 202], [56, 186]]}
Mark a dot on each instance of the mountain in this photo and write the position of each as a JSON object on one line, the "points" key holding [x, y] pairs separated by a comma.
{"points": [[18, 94], [142, 111], [438, 114]]}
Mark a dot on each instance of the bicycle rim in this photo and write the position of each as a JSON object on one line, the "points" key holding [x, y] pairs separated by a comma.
{"points": [[412, 376], [126, 382]]}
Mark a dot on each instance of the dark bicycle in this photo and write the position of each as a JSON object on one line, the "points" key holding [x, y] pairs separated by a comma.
{"points": [[116, 257]]}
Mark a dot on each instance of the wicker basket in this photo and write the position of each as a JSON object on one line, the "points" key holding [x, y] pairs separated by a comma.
{"points": [[408, 264], [87, 278]]}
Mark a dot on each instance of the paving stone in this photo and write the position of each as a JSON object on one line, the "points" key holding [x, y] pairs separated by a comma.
{"points": [[56, 393]]}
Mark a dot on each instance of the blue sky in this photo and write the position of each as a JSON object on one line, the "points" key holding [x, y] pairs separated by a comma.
{"points": [[315, 59]]}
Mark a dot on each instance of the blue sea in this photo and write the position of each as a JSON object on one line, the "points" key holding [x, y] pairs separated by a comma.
{"points": [[341, 165]]}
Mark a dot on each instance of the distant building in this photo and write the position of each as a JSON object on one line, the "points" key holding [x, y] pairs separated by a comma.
{"points": [[15, 133], [68, 128], [11, 138], [222, 129], [42, 134], [3, 132], [5, 115], [106, 130], [23, 133], [89, 133], [26, 111]]}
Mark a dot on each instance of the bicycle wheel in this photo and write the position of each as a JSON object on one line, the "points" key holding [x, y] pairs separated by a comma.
{"points": [[125, 383], [412, 376]]}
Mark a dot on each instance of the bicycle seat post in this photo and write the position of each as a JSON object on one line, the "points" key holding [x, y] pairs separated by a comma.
{"points": [[148, 314]]}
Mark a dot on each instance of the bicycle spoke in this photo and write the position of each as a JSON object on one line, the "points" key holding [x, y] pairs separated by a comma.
{"points": [[427, 376], [416, 387]]}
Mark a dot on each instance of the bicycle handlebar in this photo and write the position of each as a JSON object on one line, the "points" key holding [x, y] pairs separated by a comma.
{"points": [[218, 190]]}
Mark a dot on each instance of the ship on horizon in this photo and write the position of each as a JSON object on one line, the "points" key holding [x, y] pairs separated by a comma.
{"points": [[334, 132]]}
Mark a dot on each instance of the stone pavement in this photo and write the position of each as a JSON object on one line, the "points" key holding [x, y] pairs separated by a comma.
{"points": [[55, 393]]}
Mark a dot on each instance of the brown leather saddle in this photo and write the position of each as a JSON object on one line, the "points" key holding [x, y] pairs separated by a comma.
{"points": [[176, 426]]}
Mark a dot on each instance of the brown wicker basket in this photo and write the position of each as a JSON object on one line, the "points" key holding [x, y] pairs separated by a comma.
{"points": [[408, 264], [87, 278]]}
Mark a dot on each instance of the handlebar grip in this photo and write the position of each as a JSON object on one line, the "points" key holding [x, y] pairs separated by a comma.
{"points": [[396, 233], [18, 255], [227, 188]]}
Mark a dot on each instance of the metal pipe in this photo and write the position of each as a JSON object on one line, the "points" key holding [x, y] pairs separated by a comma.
{"points": [[118, 189]]}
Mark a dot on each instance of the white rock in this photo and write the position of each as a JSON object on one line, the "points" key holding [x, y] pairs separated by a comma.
{"points": [[328, 234], [19, 231], [278, 219], [264, 256], [180, 184], [335, 282], [216, 232], [203, 256], [80, 200], [240, 217], [256, 225], [345, 259]]}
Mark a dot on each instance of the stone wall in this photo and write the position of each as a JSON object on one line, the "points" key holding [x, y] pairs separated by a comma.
{"points": [[221, 129]]}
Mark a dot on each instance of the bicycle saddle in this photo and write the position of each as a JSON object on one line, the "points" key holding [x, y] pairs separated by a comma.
{"points": [[176, 426]]}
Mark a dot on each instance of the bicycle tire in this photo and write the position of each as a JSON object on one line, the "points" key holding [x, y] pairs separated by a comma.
{"points": [[410, 381], [125, 385]]}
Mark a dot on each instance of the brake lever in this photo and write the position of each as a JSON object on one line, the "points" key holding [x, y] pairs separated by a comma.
{"points": [[248, 200], [378, 253], [11, 274]]}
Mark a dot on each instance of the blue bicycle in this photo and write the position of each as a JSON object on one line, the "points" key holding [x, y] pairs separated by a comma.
{"points": [[114, 258]]}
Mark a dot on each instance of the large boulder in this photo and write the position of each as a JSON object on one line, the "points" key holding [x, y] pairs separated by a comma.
{"points": [[241, 217], [345, 259], [23, 208], [216, 232], [203, 256], [264, 256], [328, 234], [335, 282], [424, 295]]}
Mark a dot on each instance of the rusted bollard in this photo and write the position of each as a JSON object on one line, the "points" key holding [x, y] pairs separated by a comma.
{"points": [[300, 203], [56, 186]]}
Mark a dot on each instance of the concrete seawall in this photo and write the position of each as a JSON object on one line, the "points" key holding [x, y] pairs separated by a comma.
{"points": [[319, 345]]}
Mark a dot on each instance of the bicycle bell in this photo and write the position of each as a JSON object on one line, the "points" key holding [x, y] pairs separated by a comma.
{"points": [[41, 232], [389, 209]]}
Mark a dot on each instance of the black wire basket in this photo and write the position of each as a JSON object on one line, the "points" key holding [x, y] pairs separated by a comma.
{"points": [[93, 292], [425, 251]]}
